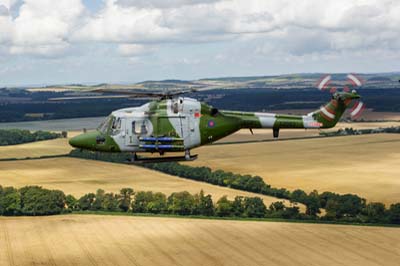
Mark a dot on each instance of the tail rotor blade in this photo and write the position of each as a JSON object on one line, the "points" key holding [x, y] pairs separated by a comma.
{"points": [[356, 81], [357, 110], [324, 82]]}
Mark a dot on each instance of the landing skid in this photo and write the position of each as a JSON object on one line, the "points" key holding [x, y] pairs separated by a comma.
{"points": [[143, 160]]}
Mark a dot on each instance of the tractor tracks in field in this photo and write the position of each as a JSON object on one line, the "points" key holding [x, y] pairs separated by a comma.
{"points": [[132, 260], [7, 241]]}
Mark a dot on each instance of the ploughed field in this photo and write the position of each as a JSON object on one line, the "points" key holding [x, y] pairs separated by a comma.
{"points": [[124, 240], [78, 177], [367, 165]]}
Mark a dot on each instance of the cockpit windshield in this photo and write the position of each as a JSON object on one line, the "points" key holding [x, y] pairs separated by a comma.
{"points": [[103, 128], [111, 125]]}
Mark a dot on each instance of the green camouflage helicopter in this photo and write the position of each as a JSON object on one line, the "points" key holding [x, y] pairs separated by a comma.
{"points": [[173, 123]]}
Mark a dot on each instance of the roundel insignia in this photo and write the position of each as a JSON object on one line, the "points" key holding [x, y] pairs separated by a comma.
{"points": [[211, 123]]}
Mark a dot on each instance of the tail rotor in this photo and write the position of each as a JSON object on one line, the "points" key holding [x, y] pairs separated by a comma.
{"points": [[352, 82], [359, 106]]}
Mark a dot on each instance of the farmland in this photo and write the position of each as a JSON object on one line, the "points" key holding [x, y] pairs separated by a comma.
{"points": [[266, 134], [119, 240], [35, 149], [365, 165], [78, 177]]}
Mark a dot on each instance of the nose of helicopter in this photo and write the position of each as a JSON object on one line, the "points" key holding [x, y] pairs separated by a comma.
{"points": [[83, 141], [94, 141]]}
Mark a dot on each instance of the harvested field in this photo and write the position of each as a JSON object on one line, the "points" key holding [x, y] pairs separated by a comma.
{"points": [[78, 177], [35, 149], [113, 240], [366, 165]]}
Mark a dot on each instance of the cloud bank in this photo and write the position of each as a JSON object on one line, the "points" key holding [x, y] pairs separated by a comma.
{"points": [[282, 29]]}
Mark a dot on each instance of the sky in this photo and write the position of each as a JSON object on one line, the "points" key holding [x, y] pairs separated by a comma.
{"points": [[122, 41]]}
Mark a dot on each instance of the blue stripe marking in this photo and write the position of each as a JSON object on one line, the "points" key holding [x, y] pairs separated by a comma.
{"points": [[166, 139], [151, 146]]}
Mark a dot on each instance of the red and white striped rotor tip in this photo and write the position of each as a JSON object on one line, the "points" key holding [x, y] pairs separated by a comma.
{"points": [[324, 82], [357, 110], [356, 81]]}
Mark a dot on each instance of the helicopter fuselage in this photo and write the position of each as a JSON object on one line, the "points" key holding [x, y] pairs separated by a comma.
{"points": [[181, 124]]}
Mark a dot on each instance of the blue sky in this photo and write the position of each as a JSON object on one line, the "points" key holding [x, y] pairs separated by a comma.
{"points": [[79, 41]]}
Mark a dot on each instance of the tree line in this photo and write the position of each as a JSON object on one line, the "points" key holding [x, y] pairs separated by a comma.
{"points": [[36, 201], [18, 136], [344, 208], [341, 208], [351, 131]]}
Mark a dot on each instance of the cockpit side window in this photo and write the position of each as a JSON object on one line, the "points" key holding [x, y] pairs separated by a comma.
{"points": [[116, 126]]}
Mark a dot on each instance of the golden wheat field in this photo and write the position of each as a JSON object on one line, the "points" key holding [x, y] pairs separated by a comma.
{"points": [[266, 134], [35, 149], [367, 165], [119, 240], [78, 177]]}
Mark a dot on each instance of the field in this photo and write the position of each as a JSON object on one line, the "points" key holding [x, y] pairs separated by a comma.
{"points": [[78, 177], [266, 134], [35, 149], [367, 165], [113, 240]]}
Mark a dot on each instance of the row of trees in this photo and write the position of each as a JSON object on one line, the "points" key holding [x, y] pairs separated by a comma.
{"points": [[348, 207], [18, 136], [34, 201], [351, 131], [31, 200], [180, 203], [344, 208]]}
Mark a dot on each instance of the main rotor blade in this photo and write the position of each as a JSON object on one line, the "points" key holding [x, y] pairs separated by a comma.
{"points": [[144, 94], [129, 93], [87, 97]]}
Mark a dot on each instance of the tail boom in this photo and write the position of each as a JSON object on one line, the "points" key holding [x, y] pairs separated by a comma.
{"points": [[325, 117]]}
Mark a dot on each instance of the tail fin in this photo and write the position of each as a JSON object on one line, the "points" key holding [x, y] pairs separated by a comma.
{"points": [[329, 114]]}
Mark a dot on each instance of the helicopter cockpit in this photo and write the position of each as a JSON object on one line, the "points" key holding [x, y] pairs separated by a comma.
{"points": [[126, 127], [111, 126]]}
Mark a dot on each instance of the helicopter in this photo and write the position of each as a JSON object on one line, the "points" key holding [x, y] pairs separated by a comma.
{"points": [[176, 124]]}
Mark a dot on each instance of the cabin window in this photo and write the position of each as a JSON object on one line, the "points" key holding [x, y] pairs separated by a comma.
{"points": [[140, 127]]}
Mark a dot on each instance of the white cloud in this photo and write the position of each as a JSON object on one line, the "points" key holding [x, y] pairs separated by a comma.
{"points": [[161, 3], [302, 30], [135, 21], [41, 26], [118, 24], [132, 50]]}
